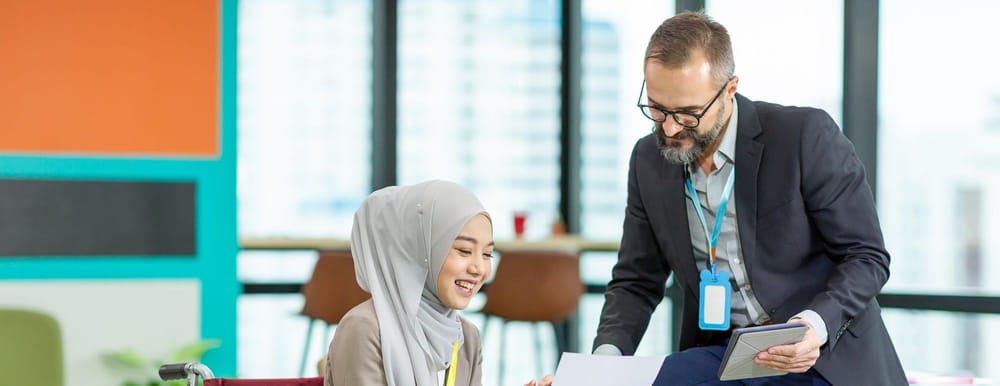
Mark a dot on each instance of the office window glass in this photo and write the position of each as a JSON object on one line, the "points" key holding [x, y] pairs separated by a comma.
{"points": [[304, 116], [938, 187], [479, 103], [962, 345], [613, 50], [787, 52], [303, 138]]}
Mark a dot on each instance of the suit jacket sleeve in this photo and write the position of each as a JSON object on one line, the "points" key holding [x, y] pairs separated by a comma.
{"points": [[355, 356], [639, 277], [841, 207]]}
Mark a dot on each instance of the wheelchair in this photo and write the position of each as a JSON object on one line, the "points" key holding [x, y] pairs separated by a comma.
{"points": [[192, 371]]}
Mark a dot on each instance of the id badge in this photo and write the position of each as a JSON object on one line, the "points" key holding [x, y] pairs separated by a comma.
{"points": [[713, 302]]}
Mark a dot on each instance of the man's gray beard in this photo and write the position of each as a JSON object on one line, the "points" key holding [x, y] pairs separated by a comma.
{"points": [[672, 151]]}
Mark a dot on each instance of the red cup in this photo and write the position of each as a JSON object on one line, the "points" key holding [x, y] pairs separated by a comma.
{"points": [[519, 220]]}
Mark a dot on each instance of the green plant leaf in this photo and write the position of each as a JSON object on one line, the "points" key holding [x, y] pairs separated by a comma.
{"points": [[194, 351], [128, 358]]}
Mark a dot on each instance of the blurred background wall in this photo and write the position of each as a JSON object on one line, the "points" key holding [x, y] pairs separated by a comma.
{"points": [[118, 174]]}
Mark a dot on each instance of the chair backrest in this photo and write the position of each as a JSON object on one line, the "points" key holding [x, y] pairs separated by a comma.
{"points": [[333, 289], [31, 352], [314, 381], [535, 286]]}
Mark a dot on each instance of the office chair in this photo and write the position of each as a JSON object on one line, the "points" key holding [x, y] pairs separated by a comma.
{"points": [[330, 293], [533, 286], [31, 352]]}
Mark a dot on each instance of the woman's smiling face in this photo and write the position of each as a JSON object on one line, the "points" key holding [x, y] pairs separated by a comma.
{"points": [[468, 265]]}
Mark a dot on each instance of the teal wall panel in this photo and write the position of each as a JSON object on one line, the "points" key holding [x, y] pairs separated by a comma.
{"points": [[217, 245]]}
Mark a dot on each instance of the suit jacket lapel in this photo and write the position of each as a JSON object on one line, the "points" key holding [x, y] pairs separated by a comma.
{"points": [[678, 234], [748, 157]]}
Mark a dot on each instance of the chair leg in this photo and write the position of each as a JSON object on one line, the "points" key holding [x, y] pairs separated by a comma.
{"points": [[324, 348], [482, 333], [561, 332], [305, 352], [538, 349], [503, 351], [486, 324], [327, 337]]}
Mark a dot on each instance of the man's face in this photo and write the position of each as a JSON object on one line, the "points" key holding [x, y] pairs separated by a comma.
{"points": [[688, 88]]}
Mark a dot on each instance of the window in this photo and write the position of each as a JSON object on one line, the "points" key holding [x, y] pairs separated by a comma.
{"points": [[614, 47], [787, 52], [613, 52], [304, 116], [304, 134], [479, 103], [938, 187]]}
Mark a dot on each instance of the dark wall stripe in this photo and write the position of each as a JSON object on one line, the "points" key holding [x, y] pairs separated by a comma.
{"points": [[96, 218]]}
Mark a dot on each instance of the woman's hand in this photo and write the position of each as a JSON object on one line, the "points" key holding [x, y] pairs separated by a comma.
{"points": [[545, 381]]}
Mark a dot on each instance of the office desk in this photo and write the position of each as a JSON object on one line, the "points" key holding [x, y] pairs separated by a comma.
{"points": [[556, 243]]}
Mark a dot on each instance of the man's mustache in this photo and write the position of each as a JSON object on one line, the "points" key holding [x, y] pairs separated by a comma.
{"points": [[683, 134]]}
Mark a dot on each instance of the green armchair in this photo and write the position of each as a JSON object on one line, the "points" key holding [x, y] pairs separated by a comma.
{"points": [[31, 352]]}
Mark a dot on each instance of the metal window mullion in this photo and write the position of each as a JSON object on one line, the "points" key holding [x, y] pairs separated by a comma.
{"points": [[861, 81], [383, 103], [570, 132], [689, 5]]}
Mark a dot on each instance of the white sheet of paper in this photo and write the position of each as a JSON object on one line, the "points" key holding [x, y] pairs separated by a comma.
{"points": [[602, 370]]}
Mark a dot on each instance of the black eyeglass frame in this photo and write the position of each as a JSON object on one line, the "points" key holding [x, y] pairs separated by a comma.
{"points": [[697, 117]]}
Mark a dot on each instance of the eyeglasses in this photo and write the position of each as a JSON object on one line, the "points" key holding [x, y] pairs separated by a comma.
{"points": [[683, 118]]}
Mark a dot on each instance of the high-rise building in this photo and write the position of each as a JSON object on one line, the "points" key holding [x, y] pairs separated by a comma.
{"points": [[304, 116]]}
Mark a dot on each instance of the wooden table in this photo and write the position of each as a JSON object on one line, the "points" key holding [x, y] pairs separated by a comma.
{"points": [[568, 242]]}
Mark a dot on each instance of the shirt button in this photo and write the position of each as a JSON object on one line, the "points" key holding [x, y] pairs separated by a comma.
{"points": [[736, 261], [746, 287]]}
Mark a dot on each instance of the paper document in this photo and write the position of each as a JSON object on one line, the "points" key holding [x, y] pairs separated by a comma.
{"points": [[602, 370]]}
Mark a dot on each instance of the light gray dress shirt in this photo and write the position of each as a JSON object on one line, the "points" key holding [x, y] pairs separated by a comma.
{"points": [[745, 310]]}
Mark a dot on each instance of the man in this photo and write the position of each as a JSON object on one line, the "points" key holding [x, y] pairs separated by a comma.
{"points": [[799, 237]]}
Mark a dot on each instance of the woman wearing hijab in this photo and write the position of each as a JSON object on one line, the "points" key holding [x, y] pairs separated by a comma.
{"points": [[422, 251]]}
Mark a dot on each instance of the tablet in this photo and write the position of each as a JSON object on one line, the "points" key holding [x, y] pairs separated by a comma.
{"points": [[747, 342]]}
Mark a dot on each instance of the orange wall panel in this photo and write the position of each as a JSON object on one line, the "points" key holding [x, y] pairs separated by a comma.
{"points": [[117, 77]]}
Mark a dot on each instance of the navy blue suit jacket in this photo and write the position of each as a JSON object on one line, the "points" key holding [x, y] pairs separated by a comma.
{"points": [[808, 230]]}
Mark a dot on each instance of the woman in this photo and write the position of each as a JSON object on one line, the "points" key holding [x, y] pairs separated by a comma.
{"points": [[422, 251]]}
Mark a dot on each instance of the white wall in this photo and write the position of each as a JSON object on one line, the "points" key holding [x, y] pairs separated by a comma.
{"points": [[154, 317]]}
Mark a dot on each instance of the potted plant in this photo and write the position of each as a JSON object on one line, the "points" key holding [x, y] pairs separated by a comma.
{"points": [[141, 371]]}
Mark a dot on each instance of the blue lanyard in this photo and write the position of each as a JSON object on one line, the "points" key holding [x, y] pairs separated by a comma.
{"points": [[720, 214]]}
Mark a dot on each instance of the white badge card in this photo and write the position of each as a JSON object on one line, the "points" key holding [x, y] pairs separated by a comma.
{"points": [[714, 300]]}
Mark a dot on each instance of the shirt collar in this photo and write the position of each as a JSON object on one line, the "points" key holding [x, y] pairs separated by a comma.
{"points": [[727, 149]]}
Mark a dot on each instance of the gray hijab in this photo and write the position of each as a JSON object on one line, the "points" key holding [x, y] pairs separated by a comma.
{"points": [[400, 239]]}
